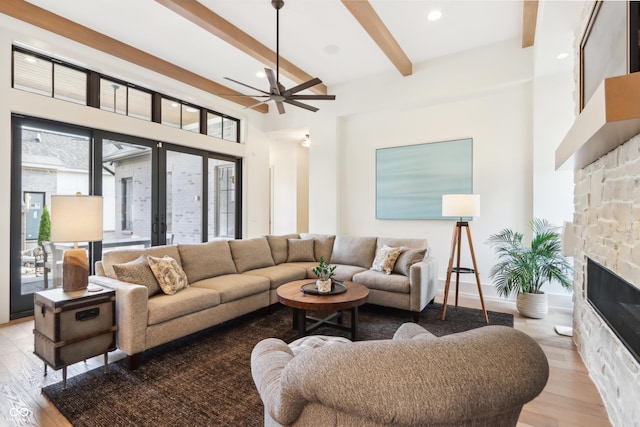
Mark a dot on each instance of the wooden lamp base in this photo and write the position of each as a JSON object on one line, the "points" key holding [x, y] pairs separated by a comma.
{"points": [[75, 270]]}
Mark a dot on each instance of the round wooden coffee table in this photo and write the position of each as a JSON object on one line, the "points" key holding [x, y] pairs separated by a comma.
{"points": [[290, 295]]}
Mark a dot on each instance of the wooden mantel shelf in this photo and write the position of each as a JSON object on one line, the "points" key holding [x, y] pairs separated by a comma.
{"points": [[610, 118]]}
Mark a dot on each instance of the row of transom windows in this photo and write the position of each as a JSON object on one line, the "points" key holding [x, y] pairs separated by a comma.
{"points": [[34, 72]]}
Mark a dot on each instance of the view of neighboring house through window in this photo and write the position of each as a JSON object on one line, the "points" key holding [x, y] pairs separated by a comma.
{"points": [[126, 203], [222, 179], [52, 163], [184, 197]]}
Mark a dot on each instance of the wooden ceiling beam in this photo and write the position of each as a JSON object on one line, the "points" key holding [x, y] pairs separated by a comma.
{"points": [[210, 21], [529, 20], [56, 24], [371, 22]]}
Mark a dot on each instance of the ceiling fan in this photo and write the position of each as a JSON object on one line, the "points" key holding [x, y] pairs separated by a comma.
{"points": [[277, 92]]}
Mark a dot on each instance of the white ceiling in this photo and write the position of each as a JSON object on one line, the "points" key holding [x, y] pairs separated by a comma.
{"points": [[319, 36]]}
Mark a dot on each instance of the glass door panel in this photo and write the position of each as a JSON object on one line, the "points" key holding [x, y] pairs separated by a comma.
{"points": [[183, 198], [127, 177], [222, 203], [48, 160]]}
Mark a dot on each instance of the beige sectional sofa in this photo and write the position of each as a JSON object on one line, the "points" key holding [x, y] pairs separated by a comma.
{"points": [[227, 279]]}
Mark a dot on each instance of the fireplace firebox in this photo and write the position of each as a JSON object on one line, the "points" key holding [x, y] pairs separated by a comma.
{"points": [[617, 302]]}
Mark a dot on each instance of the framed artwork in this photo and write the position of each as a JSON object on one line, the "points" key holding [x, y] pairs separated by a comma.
{"points": [[410, 180]]}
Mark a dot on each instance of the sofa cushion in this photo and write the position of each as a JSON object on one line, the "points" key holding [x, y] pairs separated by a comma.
{"points": [[279, 274], [383, 282], [204, 260], [251, 254], [232, 287], [385, 259], [170, 275], [354, 250], [301, 250], [345, 272], [120, 256], [190, 300], [280, 247], [139, 272], [323, 244], [407, 259]]}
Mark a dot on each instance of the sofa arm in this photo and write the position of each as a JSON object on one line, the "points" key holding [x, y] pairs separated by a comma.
{"points": [[268, 360], [423, 280], [131, 313]]}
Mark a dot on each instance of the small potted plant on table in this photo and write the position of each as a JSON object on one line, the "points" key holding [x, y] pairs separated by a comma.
{"points": [[324, 272]]}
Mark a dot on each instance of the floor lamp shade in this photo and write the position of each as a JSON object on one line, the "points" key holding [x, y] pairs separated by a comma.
{"points": [[461, 205], [75, 219]]}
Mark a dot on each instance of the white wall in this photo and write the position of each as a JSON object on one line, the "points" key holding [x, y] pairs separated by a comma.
{"points": [[284, 196], [500, 125]]}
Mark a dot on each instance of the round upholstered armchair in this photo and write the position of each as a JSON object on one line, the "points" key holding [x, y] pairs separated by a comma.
{"points": [[481, 377]]}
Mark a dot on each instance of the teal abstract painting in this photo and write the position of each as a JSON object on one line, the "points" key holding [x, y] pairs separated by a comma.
{"points": [[410, 180]]}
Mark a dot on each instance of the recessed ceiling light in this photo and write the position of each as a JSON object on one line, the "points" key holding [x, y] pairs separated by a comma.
{"points": [[261, 74], [562, 55], [174, 104], [434, 15]]}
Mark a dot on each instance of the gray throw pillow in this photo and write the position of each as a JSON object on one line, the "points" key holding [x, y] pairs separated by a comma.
{"points": [[301, 250], [407, 259], [138, 272]]}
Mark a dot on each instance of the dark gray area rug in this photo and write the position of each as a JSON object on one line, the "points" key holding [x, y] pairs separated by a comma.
{"points": [[205, 379]]}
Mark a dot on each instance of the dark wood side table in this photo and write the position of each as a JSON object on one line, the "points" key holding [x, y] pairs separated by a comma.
{"points": [[73, 326], [290, 295]]}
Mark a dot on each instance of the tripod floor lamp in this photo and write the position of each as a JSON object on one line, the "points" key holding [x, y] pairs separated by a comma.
{"points": [[461, 205]]}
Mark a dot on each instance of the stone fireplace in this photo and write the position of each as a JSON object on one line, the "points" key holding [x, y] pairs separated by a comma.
{"points": [[606, 229]]}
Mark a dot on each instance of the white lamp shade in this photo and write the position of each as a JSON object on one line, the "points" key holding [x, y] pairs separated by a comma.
{"points": [[461, 205], [76, 218]]}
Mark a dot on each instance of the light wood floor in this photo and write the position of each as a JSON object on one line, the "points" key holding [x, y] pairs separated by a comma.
{"points": [[569, 399]]}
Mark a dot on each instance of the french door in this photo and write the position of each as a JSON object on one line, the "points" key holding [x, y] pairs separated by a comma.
{"points": [[153, 194]]}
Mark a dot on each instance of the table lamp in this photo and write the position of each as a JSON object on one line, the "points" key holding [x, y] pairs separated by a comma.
{"points": [[461, 206], [75, 219]]}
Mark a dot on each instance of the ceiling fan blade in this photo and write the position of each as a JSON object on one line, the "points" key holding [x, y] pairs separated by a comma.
{"points": [[280, 107], [301, 105], [248, 96], [255, 105], [302, 86], [246, 85], [273, 83], [320, 97]]}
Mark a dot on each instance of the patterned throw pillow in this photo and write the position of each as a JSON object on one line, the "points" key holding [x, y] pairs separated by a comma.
{"points": [[301, 250], [170, 275], [386, 259], [139, 272]]}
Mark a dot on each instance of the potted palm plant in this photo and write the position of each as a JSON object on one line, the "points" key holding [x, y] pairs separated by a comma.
{"points": [[324, 272], [524, 270]]}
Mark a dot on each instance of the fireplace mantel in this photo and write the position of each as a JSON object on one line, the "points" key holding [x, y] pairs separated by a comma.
{"points": [[610, 118]]}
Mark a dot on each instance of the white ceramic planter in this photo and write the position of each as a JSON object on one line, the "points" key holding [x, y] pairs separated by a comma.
{"points": [[323, 286], [534, 306]]}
